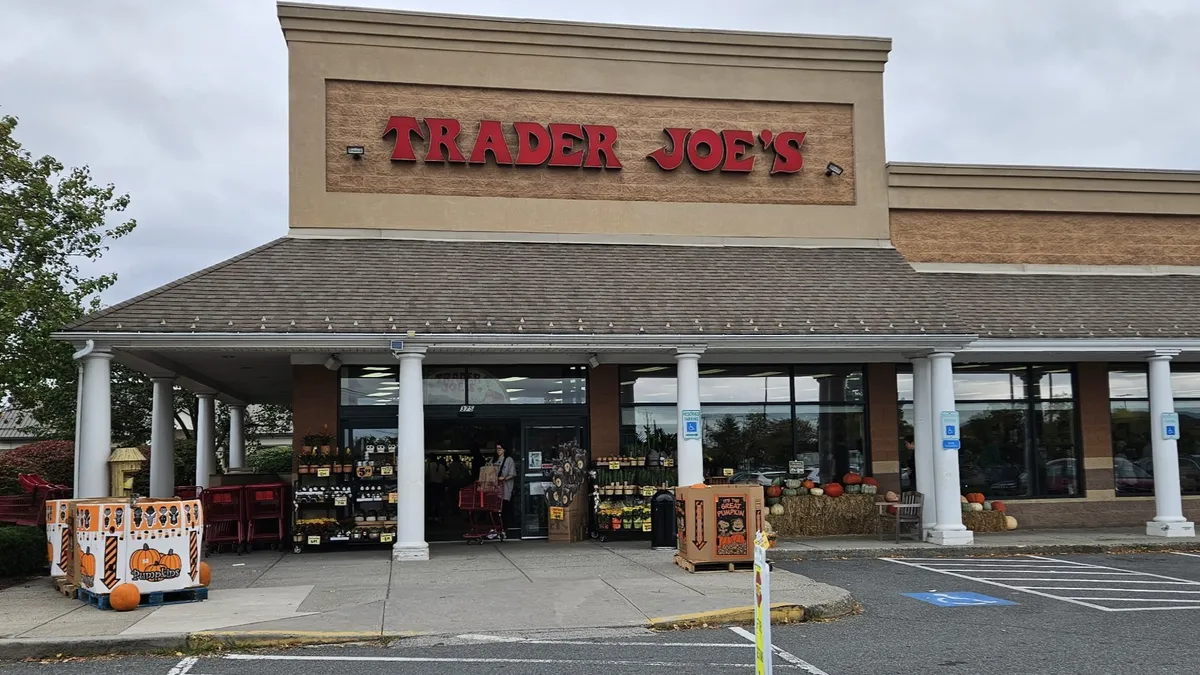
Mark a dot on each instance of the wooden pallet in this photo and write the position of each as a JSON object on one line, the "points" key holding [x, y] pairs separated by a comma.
{"points": [[65, 587], [694, 567], [156, 599]]}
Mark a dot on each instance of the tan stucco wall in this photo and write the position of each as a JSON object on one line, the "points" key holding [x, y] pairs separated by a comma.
{"points": [[1005, 237], [752, 81]]}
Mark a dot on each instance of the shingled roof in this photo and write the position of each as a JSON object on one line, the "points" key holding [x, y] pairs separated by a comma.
{"points": [[384, 285]]}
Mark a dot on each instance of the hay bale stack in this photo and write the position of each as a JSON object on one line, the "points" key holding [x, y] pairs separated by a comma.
{"points": [[984, 521], [809, 516]]}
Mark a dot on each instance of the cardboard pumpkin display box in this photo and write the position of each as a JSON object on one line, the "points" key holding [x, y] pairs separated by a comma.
{"points": [[152, 543], [717, 524]]}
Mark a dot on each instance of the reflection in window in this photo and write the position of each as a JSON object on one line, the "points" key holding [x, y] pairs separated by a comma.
{"points": [[370, 385], [1018, 426], [1133, 459], [506, 385]]}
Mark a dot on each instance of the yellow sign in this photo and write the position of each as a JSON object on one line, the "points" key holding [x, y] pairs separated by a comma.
{"points": [[323, 472], [668, 462], [339, 501], [557, 513], [647, 491], [314, 541], [385, 470], [392, 497], [387, 537], [727, 472], [645, 526], [614, 465]]}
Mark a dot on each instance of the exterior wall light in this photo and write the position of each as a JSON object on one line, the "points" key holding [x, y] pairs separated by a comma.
{"points": [[333, 362], [832, 169], [356, 151]]}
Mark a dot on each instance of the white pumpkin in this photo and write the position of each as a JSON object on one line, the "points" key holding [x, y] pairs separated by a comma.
{"points": [[816, 492], [869, 489], [1010, 522], [777, 510], [976, 507], [963, 498]]}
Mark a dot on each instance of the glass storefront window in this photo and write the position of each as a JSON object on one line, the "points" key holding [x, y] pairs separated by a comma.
{"points": [[1133, 459], [831, 440], [370, 385], [823, 384], [506, 385]]}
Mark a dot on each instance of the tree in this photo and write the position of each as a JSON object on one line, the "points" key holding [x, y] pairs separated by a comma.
{"points": [[51, 219]]}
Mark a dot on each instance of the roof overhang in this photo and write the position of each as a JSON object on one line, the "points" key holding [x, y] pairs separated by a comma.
{"points": [[1079, 349]]}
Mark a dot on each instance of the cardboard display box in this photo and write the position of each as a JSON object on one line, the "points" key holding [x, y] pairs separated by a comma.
{"points": [[569, 523], [717, 524], [59, 536]]}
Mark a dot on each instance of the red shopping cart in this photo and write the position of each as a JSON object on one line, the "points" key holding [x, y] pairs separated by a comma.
{"points": [[477, 500], [224, 517], [264, 513]]}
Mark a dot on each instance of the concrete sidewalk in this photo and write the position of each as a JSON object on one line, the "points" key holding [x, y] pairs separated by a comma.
{"points": [[1089, 540], [515, 586]]}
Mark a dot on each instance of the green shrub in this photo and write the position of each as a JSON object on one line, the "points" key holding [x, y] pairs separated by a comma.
{"points": [[22, 551], [52, 460], [275, 459]]}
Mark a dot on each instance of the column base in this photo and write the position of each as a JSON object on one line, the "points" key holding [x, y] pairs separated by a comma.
{"points": [[1181, 529], [410, 551], [952, 537]]}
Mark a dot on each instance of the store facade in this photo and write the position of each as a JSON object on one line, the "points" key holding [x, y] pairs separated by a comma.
{"points": [[539, 234]]}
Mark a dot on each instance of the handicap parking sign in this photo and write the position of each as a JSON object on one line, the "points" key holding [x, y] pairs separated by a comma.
{"points": [[692, 427], [959, 599]]}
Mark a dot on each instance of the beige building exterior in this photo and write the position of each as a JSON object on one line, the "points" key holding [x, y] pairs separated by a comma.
{"points": [[673, 213]]}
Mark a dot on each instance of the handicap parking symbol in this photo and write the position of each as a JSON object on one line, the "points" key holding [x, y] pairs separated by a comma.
{"points": [[692, 427], [957, 599]]}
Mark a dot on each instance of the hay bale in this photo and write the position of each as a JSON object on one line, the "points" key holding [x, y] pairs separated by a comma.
{"points": [[984, 521], [819, 516]]}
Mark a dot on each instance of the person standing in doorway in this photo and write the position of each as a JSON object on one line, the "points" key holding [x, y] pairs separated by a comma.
{"points": [[507, 474]]}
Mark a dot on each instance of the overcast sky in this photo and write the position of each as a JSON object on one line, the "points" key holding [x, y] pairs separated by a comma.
{"points": [[183, 104]]}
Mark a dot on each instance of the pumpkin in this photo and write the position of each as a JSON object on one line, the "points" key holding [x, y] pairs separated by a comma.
{"points": [[987, 506], [144, 559], [773, 491], [963, 499], [696, 486], [1010, 522], [975, 497], [171, 561], [966, 506], [777, 509], [870, 481], [808, 484], [999, 506], [789, 492], [772, 501], [205, 574], [778, 482], [125, 597], [852, 479], [793, 483], [891, 496], [816, 492], [87, 564], [854, 489], [834, 490], [975, 506]]}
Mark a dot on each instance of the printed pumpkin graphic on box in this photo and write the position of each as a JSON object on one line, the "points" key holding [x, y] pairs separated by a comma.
{"points": [[87, 568], [148, 564], [732, 537]]}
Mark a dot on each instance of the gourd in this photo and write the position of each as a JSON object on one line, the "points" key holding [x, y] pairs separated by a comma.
{"points": [[817, 492], [999, 506], [987, 506], [125, 597], [171, 561], [773, 491], [834, 490], [793, 483], [975, 506], [802, 491], [975, 497], [789, 492], [1010, 522], [966, 506], [869, 489], [144, 559], [205, 574], [852, 479], [777, 510]]}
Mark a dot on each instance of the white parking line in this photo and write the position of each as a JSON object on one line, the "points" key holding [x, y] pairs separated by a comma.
{"points": [[184, 666], [456, 659], [1110, 583], [1190, 555], [792, 659]]}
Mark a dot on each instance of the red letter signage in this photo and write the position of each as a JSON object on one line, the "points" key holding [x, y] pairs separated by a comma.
{"points": [[490, 139], [533, 144], [669, 161], [706, 150], [404, 128]]}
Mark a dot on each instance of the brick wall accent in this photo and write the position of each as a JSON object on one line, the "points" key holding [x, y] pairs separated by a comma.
{"points": [[1128, 512], [604, 411], [314, 402], [883, 421], [357, 112], [1045, 238], [1094, 426]]}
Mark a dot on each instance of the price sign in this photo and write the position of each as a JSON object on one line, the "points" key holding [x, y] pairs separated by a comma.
{"points": [[668, 462], [314, 541], [647, 491], [386, 471], [392, 496], [645, 526], [339, 501], [323, 472], [727, 472], [387, 537], [614, 465], [556, 513]]}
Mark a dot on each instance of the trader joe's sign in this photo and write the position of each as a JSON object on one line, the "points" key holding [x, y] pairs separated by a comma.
{"points": [[592, 146]]}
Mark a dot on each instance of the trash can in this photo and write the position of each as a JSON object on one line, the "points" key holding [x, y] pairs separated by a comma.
{"points": [[662, 521]]}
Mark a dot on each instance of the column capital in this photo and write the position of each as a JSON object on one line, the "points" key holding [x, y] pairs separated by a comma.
{"points": [[237, 405], [210, 395], [1163, 354], [96, 354], [942, 355], [693, 351], [411, 353], [169, 379]]}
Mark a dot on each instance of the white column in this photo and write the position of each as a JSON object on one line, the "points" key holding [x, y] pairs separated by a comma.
{"points": [[237, 435], [78, 426], [410, 461], [690, 451], [206, 447], [1168, 504], [162, 438], [96, 431], [947, 487], [923, 442]]}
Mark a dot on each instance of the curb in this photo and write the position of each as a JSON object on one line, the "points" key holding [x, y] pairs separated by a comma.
{"points": [[210, 640], [794, 555], [18, 649], [781, 613]]}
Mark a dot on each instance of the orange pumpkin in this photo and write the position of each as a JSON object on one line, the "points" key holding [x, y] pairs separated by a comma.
{"points": [[870, 481], [205, 574], [87, 564], [834, 489], [975, 498], [999, 506], [773, 491], [808, 484], [171, 561], [852, 479], [125, 597], [144, 559]]}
